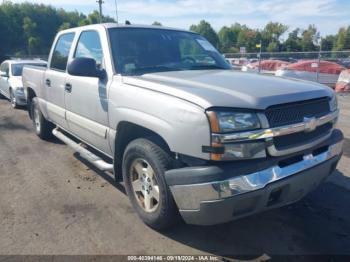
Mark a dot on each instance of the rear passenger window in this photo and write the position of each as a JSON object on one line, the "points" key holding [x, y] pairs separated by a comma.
{"points": [[61, 52], [89, 46]]}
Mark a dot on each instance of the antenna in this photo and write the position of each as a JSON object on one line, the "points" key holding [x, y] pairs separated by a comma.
{"points": [[116, 10], [100, 2]]}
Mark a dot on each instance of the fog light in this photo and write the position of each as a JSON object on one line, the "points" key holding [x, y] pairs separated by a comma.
{"points": [[244, 151]]}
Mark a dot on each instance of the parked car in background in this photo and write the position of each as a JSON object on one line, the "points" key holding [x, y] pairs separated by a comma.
{"points": [[237, 63], [187, 136], [11, 80], [343, 84], [345, 62], [266, 66], [328, 72]]}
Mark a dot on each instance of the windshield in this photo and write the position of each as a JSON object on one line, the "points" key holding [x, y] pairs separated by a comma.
{"points": [[137, 51], [17, 69]]}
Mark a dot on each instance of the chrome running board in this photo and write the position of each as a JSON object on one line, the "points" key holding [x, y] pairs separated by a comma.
{"points": [[84, 153]]}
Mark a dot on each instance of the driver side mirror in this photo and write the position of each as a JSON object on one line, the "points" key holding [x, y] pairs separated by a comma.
{"points": [[83, 66], [4, 74]]}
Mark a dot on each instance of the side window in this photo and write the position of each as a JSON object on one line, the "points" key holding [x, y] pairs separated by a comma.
{"points": [[61, 52], [89, 46]]}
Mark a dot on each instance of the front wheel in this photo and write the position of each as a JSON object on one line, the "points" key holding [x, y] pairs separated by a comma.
{"points": [[43, 128], [144, 165]]}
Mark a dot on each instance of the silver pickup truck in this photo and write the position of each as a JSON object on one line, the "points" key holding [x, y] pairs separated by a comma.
{"points": [[189, 137]]}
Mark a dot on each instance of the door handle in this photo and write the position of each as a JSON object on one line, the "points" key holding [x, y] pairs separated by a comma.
{"points": [[48, 82], [68, 88]]}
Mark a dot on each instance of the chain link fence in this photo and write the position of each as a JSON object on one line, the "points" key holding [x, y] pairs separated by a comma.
{"points": [[323, 67]]}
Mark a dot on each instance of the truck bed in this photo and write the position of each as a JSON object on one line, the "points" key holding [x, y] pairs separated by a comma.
{"points": [[33, 77]]}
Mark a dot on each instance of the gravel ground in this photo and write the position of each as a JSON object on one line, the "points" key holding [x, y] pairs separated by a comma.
{"points": [[52, 202]]}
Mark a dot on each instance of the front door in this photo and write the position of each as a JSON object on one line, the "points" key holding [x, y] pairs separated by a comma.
{"points": [[86, 97]]}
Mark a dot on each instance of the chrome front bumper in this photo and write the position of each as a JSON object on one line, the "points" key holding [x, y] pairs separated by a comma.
{"points": [[190, 196]]}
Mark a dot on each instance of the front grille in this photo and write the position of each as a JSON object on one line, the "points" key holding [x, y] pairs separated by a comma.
{"points": [[300, 138], [292, 113]]}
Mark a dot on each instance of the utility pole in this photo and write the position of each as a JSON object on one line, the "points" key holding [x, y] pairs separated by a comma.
{"points": [[100, 2], [260, 57], [116, 10]]}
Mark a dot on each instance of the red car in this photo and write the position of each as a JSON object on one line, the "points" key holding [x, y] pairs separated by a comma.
{"points": [[328, 72], [266, 66]]}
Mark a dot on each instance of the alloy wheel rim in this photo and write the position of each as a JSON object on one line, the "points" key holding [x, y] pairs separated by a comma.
{"points": [[144, 185]]}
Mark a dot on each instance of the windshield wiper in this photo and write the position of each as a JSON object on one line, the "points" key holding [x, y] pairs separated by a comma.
{"points": [[203, 67], [154, 69]]}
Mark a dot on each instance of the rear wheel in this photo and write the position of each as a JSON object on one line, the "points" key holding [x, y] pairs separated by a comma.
{"points": [[43, 128], [13, 99], [144, 165]]}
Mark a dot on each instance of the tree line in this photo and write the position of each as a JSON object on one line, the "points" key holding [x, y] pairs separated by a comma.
{"points": [[29, 29], [230, 38]]}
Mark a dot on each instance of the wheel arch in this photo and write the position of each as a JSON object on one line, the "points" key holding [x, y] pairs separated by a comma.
{"points": [[30, 95], [127, 132]]}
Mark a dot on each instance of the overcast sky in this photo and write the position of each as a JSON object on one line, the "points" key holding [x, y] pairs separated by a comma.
{"points": [[327, 15]]}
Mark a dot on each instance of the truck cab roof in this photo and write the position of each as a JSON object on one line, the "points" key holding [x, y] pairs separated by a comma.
{"points": [[118, 25], [25, 61]]}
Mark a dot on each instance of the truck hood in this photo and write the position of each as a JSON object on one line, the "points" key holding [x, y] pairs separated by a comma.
{"points": [[226, 88]]}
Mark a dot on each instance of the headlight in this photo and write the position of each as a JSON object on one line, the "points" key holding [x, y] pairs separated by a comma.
{"points": [[231, 121], [226, 121], [333, 103]]}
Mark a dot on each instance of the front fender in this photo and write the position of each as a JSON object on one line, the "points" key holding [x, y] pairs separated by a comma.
{"points": [[183, 125]]}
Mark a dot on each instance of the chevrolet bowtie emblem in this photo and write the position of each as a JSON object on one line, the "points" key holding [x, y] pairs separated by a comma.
{"points": [[310, 124]]}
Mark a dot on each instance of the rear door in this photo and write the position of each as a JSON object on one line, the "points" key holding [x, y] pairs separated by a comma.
{"points": [[86, 99], [55, 79], [4, 81]]}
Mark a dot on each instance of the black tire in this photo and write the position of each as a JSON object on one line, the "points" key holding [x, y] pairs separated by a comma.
{"points": [[165, 213], [42, 127], [13, 100]]}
